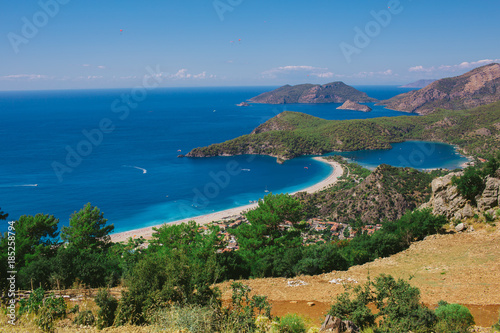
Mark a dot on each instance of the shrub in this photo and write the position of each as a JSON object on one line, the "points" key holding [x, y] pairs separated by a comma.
{"points": [[470, 184], [52, 309], [292, 323], [398, 304], [84, 318], [107, 308], [33, 303], [453, 318]]}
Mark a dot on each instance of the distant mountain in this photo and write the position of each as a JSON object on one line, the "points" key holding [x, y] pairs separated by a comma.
{"points": [[418, 84], [478, 87], [335, 92]]}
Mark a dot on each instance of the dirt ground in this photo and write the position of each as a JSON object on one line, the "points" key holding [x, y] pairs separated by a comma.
{"points": [[458, 268]]}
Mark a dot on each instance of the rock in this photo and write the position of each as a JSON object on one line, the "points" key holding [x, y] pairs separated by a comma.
{"points": [[490, 196], [293, 302], [243, 104], [311, 304], [350, 105], [336, 325], [461, 227]]}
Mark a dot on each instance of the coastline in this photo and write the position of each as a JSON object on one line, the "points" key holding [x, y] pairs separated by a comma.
{"points": [[147, 232]]}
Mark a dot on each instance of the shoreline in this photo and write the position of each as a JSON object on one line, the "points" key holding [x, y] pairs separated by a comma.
{"points": [[147, 232]]}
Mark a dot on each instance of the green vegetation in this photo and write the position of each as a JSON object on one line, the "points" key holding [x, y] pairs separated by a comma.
{"points": [[453, 318], [293, 134], [334, 92], [397, 302], [292, 323], [370, 197], [472, 182]]}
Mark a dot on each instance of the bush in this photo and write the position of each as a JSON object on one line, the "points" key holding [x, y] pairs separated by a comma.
{"points": [[470, 184], [453, 318], [107, 308], [53, 308], [33, 303], [84, 318], [398, 304], [292, 323]]}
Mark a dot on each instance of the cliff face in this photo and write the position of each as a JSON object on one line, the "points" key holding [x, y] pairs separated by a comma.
{"points": [[350, 105], [335, 92], [478, 87], [446, 200]]}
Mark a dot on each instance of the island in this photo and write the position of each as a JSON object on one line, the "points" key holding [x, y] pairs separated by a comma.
{"points": [[334, 92], [350, 105], [243, 104]]}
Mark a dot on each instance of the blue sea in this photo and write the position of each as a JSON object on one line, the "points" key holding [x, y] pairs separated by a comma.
{"points": [[117, 149]]}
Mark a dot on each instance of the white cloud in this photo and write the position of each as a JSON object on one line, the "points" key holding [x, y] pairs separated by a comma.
{"points": [[27, 77], [453, 68], [101, 67], [388, 72], [274, 72], [325, 75], [86, 65]]}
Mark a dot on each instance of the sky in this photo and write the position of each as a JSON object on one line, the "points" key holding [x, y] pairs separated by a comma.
{"points": [[75, 44]]}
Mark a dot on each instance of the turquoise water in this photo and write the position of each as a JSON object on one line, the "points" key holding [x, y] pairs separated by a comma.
{"points": [[90, 146]]}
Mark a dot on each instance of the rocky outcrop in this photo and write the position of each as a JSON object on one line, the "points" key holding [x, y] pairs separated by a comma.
{"points": [[335, 92], [334, 324], [478, 87], [350, 105], [243, 104], [491, 195], [446, 200]]}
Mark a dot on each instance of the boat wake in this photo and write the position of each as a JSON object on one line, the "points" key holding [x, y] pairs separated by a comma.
{"points": [[136, 167], [23, 185], [245, 169]]}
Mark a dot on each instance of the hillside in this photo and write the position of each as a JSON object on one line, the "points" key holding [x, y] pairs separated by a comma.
{"points": [[292, 134], [335, 92], [387, 193], [459, 268], [418, 84], [478, 87]]}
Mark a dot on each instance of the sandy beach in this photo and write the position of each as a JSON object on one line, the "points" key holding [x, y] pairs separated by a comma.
{"points": [[337, 171]]}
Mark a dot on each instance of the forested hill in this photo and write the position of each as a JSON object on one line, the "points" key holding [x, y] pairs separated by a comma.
{"points": [[292, 134], [371, 197], [480, 86], [334, 92]]}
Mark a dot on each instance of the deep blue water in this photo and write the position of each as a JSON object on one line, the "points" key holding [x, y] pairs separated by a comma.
{"points": [[41, 131]]}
